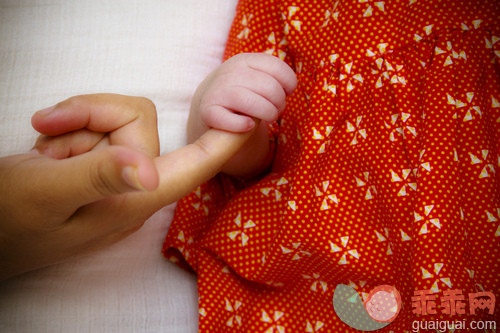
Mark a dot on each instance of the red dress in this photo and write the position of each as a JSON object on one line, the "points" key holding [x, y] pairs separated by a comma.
{"points": [[385, 170]]}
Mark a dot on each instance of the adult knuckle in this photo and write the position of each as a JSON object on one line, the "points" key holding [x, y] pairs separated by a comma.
{"points": [[143, 108], [99, 182], [147, 104], [71, 102], [203, 146]]}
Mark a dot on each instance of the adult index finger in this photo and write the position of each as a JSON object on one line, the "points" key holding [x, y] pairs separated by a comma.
{"points": [[130, 121]]}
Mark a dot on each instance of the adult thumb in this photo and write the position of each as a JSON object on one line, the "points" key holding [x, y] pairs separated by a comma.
{"points": [[76, 181]]}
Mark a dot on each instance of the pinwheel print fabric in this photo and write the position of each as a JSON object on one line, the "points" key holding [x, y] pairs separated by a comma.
{"points": [[385, 169]]}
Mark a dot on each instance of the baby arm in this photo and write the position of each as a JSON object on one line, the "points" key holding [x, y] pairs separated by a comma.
{"points": [[244, 88]]}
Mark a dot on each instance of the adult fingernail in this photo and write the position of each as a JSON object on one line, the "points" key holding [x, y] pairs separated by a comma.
{"points": [[46, 111], [131, 177]]}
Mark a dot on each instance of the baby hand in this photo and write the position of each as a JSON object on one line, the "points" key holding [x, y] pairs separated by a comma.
{"points": [[246, 86]]}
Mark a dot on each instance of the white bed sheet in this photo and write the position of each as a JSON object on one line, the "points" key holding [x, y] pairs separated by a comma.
{"points": [[53, 49]]}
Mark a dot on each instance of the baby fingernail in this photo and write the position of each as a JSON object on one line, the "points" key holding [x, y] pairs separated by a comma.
{"points": [[250, 124]]}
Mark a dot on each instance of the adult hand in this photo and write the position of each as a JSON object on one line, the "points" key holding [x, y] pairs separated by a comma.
{"points": [[95, 180]]}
